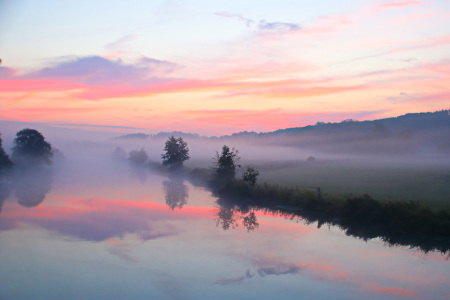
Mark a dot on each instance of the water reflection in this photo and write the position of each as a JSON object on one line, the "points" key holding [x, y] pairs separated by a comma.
{"points": [[5, 190], [176, 192], [232, 210], [230, 213], [139, 172], [31, 186]]}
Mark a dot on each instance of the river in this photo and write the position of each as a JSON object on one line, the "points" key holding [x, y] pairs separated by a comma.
{"points": [[129, 234]]}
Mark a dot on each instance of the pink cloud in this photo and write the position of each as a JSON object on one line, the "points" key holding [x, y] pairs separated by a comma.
{"points": [[96, 78], [390, 291], [399, 4]]}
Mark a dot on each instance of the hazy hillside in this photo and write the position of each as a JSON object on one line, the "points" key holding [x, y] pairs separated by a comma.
{"points": [[407, 134]]}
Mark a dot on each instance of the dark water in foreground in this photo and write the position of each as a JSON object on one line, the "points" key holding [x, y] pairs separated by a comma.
{"points": [[146, 237]]}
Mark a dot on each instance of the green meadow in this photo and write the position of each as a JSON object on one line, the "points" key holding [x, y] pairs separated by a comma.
{"points": [[399, 182], [427, 183]]}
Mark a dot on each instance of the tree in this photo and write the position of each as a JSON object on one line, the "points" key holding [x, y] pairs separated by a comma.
{"points": [[226, 162], [311, 160], [250, 175], [5, 161], [176, 153], [138, 157], [30, 147], [119, 154]]}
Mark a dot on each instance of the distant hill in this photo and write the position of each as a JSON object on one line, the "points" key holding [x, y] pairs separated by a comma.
{"points": [[141, 136], [410, 133]]}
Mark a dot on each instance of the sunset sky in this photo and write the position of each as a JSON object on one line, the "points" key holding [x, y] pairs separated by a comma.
{"points": [[218, 67]]}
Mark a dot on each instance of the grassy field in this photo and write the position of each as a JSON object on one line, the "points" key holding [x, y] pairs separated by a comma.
{"points": [[426, 183]]}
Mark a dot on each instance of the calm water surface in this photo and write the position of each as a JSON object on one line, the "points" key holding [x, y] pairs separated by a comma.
{"points": [[133, 235]]}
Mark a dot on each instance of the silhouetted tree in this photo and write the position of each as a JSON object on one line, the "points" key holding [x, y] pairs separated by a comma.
{"points": [[250, 175], [138, 157], [176, 154], [30, 148], [5, 161], [225, 163]]}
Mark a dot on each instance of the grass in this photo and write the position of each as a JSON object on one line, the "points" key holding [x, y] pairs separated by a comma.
{"points": [[385, 182]]}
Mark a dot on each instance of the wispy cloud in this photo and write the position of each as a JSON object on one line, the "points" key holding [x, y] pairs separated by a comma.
{"points": [[121, 43], [398, 4], [277, 26], [278, 270], [420, 44], [261, 25], [248, 22], [389, 291], [237, 280]]}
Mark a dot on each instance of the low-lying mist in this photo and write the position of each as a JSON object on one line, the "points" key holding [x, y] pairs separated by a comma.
{"points": [[396, 167]]}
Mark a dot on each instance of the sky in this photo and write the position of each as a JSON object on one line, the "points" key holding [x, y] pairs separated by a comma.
{"points": [[219, 67]]}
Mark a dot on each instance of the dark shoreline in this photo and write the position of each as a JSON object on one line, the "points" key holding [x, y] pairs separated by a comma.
{"points": [[396, 223]]}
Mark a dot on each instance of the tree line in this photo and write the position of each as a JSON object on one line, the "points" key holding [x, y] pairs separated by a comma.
{"points": [[176, 152]]}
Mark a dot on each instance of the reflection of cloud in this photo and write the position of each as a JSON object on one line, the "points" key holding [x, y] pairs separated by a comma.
{"points": [[99, 219], [237, 280], [123, 252], [390, 291], [324, 272], [278, 270]]}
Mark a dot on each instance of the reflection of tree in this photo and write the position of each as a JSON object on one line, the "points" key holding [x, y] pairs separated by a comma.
{"points": [[229, 214], [176, 192], [231, 210], [250, 221], [5, 190], [31, 186], [139, 172], [225, 218]]}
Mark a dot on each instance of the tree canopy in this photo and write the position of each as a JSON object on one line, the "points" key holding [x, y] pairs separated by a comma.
{"points": [[30, 147], [5, 161], [176, 154], [227, 162], [138, 157], [250, 175]]}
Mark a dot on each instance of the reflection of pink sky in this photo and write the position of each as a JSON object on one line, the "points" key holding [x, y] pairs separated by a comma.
{"points": [[107, 220], [125, 214]]}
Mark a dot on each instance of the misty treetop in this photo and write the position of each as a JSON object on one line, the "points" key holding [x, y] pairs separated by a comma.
{"points": [[176, 152], [226, 162], [138, 157], [30, 147]]}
